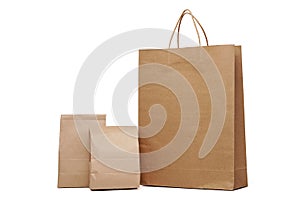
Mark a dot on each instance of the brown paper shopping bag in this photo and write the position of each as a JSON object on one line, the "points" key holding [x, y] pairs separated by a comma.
{"points": [[88, 159], [108, 173], [74, 156], [191, 116]]}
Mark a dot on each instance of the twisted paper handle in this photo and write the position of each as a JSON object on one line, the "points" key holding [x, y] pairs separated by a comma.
{"points": [[178, 24]]}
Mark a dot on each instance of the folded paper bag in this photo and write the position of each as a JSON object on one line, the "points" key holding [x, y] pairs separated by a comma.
{"points": [[74, 156], [79, 168], [114, 165]]}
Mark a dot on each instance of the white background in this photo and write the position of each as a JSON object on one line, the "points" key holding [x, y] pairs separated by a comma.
{"points": [[43, 45]]}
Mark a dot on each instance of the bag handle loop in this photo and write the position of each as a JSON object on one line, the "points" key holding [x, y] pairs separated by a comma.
{"points": [[178, 24]]}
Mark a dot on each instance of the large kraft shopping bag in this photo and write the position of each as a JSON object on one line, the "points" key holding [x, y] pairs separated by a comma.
{"points": [[191, 116], [89, 152]]}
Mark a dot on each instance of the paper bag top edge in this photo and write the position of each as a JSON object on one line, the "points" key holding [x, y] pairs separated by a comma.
{"points": [[83, 116], [174, 48]]}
